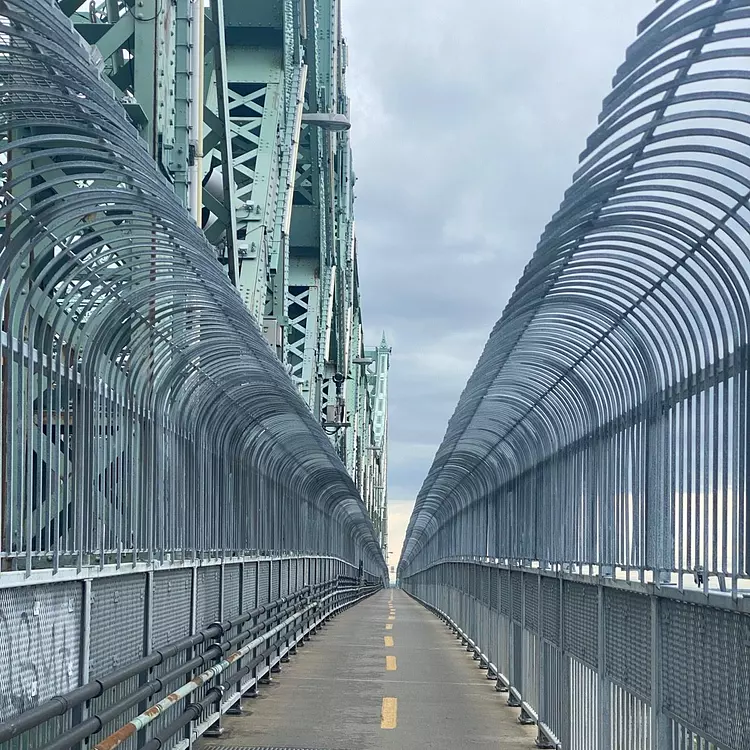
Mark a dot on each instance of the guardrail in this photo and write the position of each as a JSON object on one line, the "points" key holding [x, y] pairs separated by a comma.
{"points": [[237, 656], [599, 663], [546, 737]]}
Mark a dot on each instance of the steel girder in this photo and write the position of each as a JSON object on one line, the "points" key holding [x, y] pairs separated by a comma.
{"points": [[236, 104], [605, 424], [144, 416]]}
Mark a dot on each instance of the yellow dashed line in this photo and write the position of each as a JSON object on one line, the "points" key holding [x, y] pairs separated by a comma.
{"points": [[391, 617], [390, 663], [389, 626], [389, 713], [388, 641]]}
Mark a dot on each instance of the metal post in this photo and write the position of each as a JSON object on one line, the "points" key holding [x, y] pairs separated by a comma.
{"points": [[660, 730]]}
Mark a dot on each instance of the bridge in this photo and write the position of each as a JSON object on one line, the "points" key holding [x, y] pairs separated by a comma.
{"points": [[194, 431]]}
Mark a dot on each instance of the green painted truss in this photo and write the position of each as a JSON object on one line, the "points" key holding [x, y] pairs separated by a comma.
{"points": [[244, 108]]}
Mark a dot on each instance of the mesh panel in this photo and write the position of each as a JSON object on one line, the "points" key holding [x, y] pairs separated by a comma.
{"points": [[504, 582], [249, 582], [627, 646], [293, 568], [117, 621], [494, 589], [231, 591], [531, 601], [263, 579], [275, 588], [170, 619], [485, 578], [580, 620], [706, 665], [551, 609], [40, 631], [516, 584], [284, 591], [209, 593]]}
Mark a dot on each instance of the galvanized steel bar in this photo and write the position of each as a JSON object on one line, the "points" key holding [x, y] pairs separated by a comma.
{"points": [[602, 438]]}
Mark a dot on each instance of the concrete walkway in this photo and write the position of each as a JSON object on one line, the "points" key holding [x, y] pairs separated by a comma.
{"points": [[386, 674]]}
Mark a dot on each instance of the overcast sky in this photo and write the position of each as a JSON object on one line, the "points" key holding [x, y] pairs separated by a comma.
{"points": [[468, 119]]}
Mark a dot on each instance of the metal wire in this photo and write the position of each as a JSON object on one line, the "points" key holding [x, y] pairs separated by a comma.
{"points": [[144, 416]]}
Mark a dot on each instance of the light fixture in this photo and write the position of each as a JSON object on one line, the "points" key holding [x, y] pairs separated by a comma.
{"points": [[333, 121]]}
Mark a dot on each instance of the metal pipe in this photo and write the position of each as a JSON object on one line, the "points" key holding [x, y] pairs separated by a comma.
{"points": [[60, 705], [145, 718]]}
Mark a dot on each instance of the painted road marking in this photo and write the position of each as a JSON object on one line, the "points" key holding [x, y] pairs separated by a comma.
{"points": [[389, 626], [390, 663], [389, 713], [388, 641], [391, 617]]}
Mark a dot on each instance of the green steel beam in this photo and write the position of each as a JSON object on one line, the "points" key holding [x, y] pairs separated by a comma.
{"points": [[242, 127]]}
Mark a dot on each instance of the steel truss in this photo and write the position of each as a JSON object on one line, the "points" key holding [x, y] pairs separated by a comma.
{"points": [[242, 105], [602, 438]]}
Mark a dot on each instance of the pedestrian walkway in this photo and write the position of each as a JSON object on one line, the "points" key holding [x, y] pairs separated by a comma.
{"points": [[385, 675]]}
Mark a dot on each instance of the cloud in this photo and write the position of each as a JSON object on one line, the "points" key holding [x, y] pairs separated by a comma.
{"points": [[467, 125]]}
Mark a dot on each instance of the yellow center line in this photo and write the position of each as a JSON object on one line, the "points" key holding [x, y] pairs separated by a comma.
{"points": [[390, 663], [388, 641], [389, 626], [389, 713]]}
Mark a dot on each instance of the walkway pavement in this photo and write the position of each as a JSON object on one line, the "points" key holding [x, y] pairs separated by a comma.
{"points": [[384, 675]]}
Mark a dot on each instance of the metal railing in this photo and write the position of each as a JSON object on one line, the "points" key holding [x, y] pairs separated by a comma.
{"points": [[180, 689], [172, 517], [143, 416], [600, 445]]}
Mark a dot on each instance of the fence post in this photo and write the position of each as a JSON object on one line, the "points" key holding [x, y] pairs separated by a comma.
{"points": [[81, 713], [605, 718], [659, 722], [148, 640]]}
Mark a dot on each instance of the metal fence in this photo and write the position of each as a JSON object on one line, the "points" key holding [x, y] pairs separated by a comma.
{"points": [[143, 416], [601, 443], [83, 659], [167, 499]]}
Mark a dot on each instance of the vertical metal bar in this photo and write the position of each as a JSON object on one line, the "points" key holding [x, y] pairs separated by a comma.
{"points": [[605, 715], [659, 722]]}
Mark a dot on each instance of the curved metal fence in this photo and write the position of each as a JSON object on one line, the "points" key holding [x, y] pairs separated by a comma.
{"points": [[142, 414], [605, 423], [584, 525]]}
